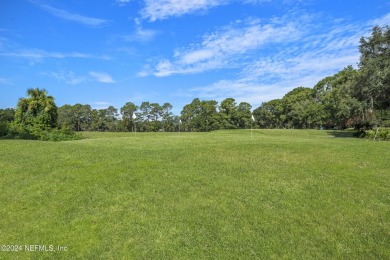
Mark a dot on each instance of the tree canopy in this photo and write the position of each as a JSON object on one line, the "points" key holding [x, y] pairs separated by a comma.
{"points": [[38, 110]]}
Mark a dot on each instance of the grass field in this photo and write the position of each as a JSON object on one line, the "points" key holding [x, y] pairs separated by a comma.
{"points": [[219, 195]]}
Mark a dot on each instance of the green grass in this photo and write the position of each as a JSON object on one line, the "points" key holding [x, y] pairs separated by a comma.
{"points": [[219, 195]]}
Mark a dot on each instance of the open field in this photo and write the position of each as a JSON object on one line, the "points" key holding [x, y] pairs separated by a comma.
{"points": [[281, 194]]}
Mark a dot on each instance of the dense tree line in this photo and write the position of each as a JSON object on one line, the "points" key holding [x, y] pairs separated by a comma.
{"points": [[151, 117], [146, 117], [358, 98]]}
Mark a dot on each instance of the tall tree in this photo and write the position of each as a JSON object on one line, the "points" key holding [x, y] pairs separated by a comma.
{"points": [[155, 114], [189, 115], [337, 105], [227, 110], [38, 110], [6, 117], [168, 120], [200, 116], [244, 115], [373, 80], [208, 119], [270, 114], [127, 112]]}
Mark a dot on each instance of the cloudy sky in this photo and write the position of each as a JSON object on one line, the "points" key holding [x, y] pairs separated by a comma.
{"points": [[109, 52]]}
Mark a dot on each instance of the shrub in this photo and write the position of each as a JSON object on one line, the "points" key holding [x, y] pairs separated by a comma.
{"points": [[59, 135], [382, 134], [3, 129], [18, 131]]}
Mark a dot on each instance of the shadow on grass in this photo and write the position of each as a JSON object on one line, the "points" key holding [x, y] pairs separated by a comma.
{"points": [[343, 134]]}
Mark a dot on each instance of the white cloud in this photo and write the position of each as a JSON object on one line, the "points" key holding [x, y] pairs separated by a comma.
{"points": [[122, 2], [4, 81], [197, 56], [279, 64], [101, 77], [140, 34], [162, 9], [38, 55], [144, 35], [164, 68], [225, 47], [381, 21], [291, 45], [90, 21], [71, 78]]}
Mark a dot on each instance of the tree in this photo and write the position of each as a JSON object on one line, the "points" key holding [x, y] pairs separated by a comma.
{"points": [[338, 108], [76, 117], [373, 81], [294, 108], [208, 119], [270, 114], [189, 115], [66, 117], [244, 115], [110, 116], [227, 110], [127, 112], [38, 110], [155, 115], [200, 116], [372, 84], [6, 117], [168, 120]]}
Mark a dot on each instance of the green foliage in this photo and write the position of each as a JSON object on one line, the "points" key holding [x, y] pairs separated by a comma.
{"points": [[7, 115], [3, 129], [201, 116], [227, 111], [378, 134], [18, 131], [38, 110], [59, 135], [35, 118], [127, 112], [153, 117], [373, 80], [76, 117]]}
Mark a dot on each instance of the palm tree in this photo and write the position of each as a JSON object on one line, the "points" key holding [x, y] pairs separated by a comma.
{"points": [[38, 109]]}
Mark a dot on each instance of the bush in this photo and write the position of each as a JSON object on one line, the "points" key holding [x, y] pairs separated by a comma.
{"points": [[59, 135], [3, 129], [383, 134], [36, 133]]}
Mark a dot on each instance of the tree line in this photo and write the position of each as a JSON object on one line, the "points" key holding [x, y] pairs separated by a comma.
{"points": [[351, 98], [357, 98], [148, 117]]}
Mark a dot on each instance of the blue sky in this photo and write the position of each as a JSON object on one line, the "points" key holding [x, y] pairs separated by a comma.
{"points": [[109, 52]]}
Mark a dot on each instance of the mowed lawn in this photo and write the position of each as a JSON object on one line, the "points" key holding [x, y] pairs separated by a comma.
{"points": [[219, 195]]}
